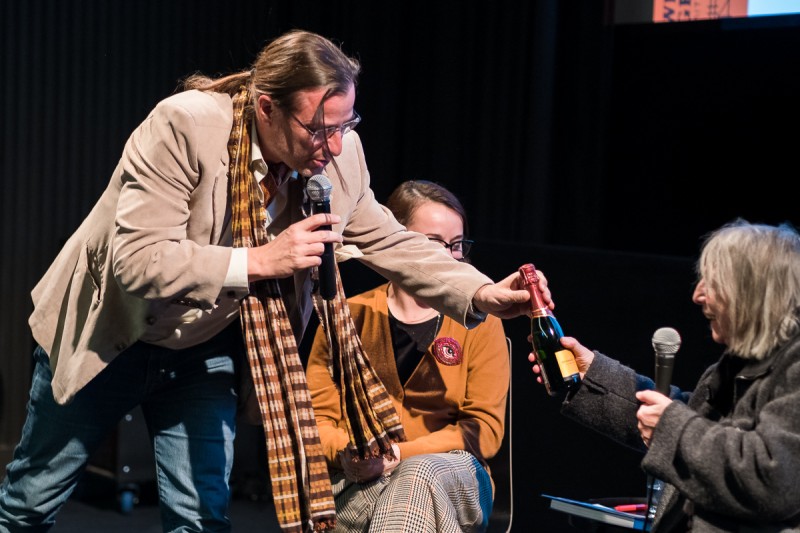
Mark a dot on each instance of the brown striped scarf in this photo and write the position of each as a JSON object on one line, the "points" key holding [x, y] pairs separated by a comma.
{"points": [[301, 487], [371, 419]]}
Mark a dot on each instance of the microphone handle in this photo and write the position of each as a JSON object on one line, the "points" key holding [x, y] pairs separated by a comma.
{"points": [[663, 376], [327, 270]]}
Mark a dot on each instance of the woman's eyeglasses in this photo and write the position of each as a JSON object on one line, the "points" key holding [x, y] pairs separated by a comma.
{"points": [[458, 249]]}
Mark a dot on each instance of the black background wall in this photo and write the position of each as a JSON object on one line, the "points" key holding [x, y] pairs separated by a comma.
{"points": [[602, 153]]}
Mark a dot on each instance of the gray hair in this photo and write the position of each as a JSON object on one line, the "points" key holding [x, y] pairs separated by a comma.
{"points": [[754, 269]]}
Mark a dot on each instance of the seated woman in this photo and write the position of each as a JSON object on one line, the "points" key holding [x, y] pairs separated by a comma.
{"points": [[448, 384]]}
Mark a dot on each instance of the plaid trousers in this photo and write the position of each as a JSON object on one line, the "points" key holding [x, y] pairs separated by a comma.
{"points": [[432, 493]]}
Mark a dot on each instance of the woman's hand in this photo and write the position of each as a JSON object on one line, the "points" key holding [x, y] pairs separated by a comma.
{"points": [[365, 470], [649, 413], [583, 356]]}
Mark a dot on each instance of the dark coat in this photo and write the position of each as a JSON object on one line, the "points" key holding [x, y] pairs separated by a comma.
{"points": [[729, 453]]}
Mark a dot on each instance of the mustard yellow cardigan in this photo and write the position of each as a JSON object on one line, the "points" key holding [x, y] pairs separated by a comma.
{"points": [[442, 408]]}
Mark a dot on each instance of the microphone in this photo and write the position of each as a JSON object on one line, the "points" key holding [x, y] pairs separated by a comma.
{"points": [[319, 190], [666, 343]]}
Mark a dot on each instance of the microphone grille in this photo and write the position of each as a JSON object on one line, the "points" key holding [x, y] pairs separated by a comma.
{"points": [[666, 341], [319, 188]]}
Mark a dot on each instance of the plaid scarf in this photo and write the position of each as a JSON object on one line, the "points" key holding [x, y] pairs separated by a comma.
{"points": [[301, 487], [371, 419]]}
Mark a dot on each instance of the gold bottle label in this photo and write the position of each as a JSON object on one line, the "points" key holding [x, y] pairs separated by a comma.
{"points": [[566, 362]]}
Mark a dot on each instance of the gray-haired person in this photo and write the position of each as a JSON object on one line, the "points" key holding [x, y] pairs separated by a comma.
{"points": [[729, 451]]}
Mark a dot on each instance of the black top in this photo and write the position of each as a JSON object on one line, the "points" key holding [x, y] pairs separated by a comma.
{"points": [[410, 343]]}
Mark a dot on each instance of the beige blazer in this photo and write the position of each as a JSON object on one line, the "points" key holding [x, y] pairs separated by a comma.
{"points": [[153, 241]]}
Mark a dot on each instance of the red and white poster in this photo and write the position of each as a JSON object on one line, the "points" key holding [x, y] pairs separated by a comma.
{"points": [[682, 10]]}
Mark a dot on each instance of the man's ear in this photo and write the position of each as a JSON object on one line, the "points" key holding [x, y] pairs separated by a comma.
{"points": [[265, 108]]}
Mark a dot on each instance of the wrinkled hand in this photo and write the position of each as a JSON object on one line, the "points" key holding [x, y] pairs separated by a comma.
{"points": [[649, 413], [297, 247], [365, 470], [509, 298], [583, 356]]}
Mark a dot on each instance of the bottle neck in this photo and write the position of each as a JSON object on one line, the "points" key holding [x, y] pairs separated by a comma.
{"points": [[531, 281]]}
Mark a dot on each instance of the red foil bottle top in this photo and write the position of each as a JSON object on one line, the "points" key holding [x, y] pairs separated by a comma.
{"points": [[531, 280]]}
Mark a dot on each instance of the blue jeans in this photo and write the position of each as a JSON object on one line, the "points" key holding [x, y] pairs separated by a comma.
{"points": [[189, 401]]}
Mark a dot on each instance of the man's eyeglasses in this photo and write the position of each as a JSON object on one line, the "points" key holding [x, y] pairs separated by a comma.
{"points": [[319, 136], [458, 249]]}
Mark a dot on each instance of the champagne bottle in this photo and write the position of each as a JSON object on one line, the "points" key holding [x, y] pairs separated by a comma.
{"points": [[559, 370]]}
